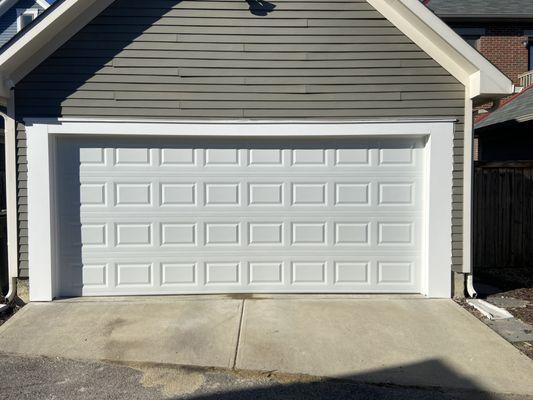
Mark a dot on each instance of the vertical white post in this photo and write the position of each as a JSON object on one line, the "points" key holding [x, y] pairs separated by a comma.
{"points": [[467, 186], [439, 211], [39, 214], [11, 187]]}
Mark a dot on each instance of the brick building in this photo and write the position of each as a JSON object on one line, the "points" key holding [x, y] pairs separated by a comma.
{"points": [[503, 32]]}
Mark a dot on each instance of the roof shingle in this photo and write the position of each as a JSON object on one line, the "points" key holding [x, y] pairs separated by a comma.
{"points": [[519, 108], [481, 8]]}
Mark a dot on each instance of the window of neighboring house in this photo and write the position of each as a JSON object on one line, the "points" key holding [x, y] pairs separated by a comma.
{"points": [[472, 40], [26, 17], [471, 35], [530, 50]]}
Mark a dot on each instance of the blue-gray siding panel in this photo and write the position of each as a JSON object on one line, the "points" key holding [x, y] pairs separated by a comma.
{"points": [[8, 21], [219, 59]]}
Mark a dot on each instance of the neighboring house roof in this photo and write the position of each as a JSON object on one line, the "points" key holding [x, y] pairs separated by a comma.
{"points": [[10, 11], [481, 9], [66, 17], [5, 5], [518, 108]]}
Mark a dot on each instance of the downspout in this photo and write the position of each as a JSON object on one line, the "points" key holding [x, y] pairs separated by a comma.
{"points": [[11, 198], [467, 197]]}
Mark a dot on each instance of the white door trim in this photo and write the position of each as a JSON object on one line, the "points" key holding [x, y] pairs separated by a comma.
{"points": [[42, 213]]}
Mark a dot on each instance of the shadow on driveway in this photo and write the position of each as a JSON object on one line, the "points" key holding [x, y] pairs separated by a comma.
{"points": [[39, 377]]}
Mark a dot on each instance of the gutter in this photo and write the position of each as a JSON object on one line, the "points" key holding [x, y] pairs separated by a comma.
{"points": [[11, 198]]}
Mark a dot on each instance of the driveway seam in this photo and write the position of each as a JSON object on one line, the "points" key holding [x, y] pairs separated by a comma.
{"points": [[238, 335]]}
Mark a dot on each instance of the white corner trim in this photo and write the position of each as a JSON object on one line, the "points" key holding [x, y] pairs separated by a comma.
{"points": [[10, 142], [467, 186], [34, 12], [437, 257], [438, 234], [40, 214], [445, 46]]}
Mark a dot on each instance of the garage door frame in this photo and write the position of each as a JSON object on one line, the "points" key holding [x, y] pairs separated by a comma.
{"points": [[42, 137]]}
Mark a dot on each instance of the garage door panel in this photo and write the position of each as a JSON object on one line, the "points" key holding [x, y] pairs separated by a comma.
{"points": [[227, 274], [375, 194], [387, 232], [182, 217]]}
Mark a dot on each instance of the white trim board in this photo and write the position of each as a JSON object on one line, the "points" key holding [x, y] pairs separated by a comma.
{"points": [[444, 45], [42, 214], [23, 11]]}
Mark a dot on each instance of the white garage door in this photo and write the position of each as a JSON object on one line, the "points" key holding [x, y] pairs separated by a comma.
{"points": [[214, 216]]}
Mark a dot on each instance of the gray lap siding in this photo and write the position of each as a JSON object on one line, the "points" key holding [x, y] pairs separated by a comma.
{"points": [[221, 59]]}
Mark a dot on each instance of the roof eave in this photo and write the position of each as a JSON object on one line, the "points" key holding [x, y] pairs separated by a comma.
{"points": [[484, 17], [438, 40], [51, 31], [429, 32]]}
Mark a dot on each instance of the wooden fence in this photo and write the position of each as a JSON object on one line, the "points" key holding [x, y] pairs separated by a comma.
{"points": [[503, 214]]}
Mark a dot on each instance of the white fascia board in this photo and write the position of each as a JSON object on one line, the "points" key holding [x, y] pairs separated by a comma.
{"points": [[5, 5], [43, 3], [439, 41], [43, 38]]}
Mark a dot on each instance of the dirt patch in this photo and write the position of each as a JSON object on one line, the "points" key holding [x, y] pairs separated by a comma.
{"points": [[526, 348], [525, 314], [5, 315], [522, 294]]}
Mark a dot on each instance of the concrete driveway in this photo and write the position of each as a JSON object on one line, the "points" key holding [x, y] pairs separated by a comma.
{"points": [[401, 341]]}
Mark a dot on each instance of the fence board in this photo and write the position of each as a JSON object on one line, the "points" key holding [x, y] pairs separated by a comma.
{"points": [[503, 215]]}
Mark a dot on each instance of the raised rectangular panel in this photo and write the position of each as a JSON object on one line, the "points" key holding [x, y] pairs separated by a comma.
{"points": [[263, 233], [177, 157], [265, 272], [395, 272], [351, 194], [93, 235], [223, 272], [178, 194], [395, 233], [400, 156], [308, 157], [222, 234], [134, 234], [178, 273], [266, 193], [132, 156], [308, 233], [91, 156], [134, 274], [351, 272], [222, 157], [178, 234], [396, 193], [349, 233], [94, 275], [352, 157], [133, 194], [92, 194], [265, 157], [222, 194], [308, 272], [309, 194]]}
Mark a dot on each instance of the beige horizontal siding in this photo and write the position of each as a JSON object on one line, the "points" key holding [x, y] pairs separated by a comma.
{"points": [[219, 59]]}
